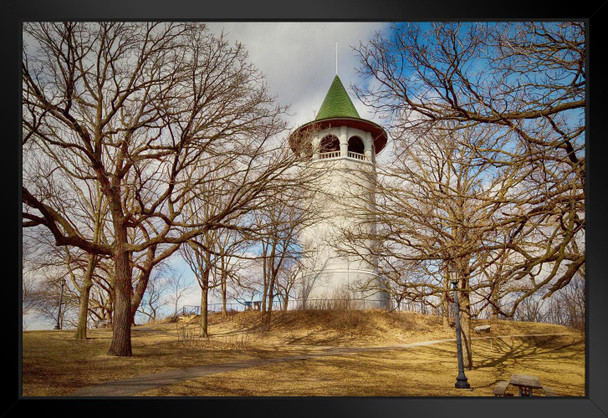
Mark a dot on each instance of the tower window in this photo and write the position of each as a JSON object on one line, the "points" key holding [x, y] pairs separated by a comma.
{"points": [[330, 143], [355, 144]]}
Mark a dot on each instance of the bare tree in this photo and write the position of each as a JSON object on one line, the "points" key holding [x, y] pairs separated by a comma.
{"points": [[489, 129], [434, 208], [154, 300], [278, 226], [139, 108], [207, 253], [199, 253], [231, 246], [177, 288], [440, 207], [567, 306], [287, 279], [30, 297], [527, 81], [530, 309]]}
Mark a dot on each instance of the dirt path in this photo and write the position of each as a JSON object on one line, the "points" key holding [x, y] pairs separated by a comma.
{"points": [[135, 385]]}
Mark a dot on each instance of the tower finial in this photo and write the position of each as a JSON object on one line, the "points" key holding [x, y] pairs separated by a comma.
{"points": [[336, 58]]}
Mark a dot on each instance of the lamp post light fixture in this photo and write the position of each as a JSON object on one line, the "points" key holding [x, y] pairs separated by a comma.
{"points": [[461, 379]]}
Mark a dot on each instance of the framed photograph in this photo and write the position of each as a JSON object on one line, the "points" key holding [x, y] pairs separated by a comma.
{"points": [[338, 209]]}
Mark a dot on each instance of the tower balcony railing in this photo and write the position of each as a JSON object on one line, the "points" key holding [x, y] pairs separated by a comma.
{"points": [[330, 155], [357, 156]]}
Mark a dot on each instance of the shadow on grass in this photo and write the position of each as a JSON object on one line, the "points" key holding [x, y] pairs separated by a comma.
{"points": [[524, 347]]}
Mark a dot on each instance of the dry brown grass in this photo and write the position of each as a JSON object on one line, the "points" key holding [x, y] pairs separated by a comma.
{"points": [[55, 365], [421, 371]]}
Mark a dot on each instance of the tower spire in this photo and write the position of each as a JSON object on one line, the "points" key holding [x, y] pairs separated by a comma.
{"points": [[337, 103]]}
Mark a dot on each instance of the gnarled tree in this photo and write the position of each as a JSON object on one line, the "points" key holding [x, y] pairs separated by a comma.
{"points": [[140, 109]]}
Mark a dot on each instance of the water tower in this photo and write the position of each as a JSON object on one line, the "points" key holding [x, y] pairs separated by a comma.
{"points": [[342, 147]]}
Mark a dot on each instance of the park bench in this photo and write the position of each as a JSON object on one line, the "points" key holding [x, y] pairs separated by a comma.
{"points": [[482, 329]]}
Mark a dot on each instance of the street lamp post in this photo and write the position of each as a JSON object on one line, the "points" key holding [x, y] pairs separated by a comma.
{"points": [[461, 379], [58, 326]]}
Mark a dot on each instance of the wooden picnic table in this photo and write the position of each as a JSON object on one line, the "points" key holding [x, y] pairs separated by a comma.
{"points": [[525, 383]]}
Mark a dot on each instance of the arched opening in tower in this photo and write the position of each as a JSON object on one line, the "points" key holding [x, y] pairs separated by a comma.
{"points": [[355, 144], [330, 143]]}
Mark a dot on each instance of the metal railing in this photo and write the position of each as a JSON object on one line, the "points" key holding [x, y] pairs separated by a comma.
{"points": [[337, 303], [292, 304]]}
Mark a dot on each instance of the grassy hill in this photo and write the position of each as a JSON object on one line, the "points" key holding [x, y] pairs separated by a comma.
{"points": [[351, 327], [55, 365]]}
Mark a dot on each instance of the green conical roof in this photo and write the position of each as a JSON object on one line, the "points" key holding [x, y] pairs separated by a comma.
{"points": [[337, 104]]}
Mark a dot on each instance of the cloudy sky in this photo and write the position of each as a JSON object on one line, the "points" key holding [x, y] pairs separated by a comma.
{"points": [[299, 59]]}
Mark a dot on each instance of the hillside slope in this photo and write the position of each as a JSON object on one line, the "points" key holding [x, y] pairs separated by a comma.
{"points": [[353, 328]]}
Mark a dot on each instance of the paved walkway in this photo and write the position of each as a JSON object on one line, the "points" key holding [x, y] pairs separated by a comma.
{"points": [[135, 385]]}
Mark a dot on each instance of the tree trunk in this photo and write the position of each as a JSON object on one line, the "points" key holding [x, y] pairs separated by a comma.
{"points": [[122, 318], [268, 313], [142, 281], [83, 309], [224, 310], [495, 309], [286, 301], [205, 303], [495, 298], [272, 274], [265, 277], [85, 291], [224, 286]]}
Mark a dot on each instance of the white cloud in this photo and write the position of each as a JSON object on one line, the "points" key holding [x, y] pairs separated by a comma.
{"points": [[299, 59]]}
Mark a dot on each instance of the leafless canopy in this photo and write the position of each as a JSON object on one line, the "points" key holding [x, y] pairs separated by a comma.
{"points": [[154, 116], [488, 125]]}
